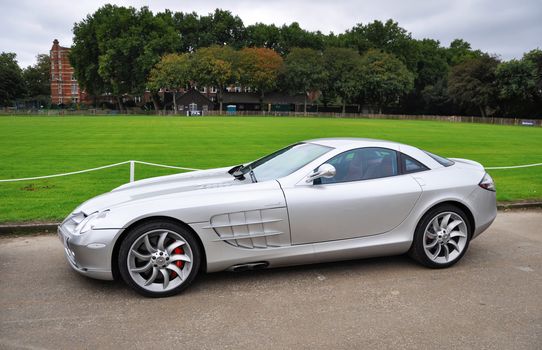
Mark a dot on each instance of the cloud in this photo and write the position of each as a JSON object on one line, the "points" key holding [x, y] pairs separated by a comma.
{"points": [[501, 27]]}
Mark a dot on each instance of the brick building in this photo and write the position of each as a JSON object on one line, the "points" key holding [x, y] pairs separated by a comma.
{"points": [[64, 87]]}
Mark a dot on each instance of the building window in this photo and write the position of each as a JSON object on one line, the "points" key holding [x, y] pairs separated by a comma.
{"points": [[237, 89], [247, 89], [74, 89], [137, 99], [53, 77], [193, 107], [203, 90], [75, 100], [73, 77], [213, 90]]}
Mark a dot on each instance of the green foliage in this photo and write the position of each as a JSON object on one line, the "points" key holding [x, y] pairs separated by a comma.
{"points": [[116, 47], [516, 80], [472, 84], [218, 28], [535, 57], [304, 70], [384, 78], [263, 35], [37, 79], [343, 78], [32, 146], [172, 72], [461, 51], [11, 80], [388, 36]]}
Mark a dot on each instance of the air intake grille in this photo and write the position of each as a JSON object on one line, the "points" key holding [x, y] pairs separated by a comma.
{"points": [[249, 229]]}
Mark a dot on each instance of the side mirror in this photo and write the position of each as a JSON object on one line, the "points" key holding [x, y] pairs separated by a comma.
{"points": [[325, 170]]}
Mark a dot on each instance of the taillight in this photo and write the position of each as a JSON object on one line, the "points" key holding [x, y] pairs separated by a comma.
{"points": [[487, 183]]}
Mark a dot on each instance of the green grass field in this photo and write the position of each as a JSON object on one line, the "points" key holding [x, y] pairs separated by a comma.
{"points": [[34, 146]]}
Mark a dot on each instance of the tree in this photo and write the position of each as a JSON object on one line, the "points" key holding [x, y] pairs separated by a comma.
{"points": [[342, 72], [516, 84], [172, 72], [259, 68], [11, 80], [37, 79], [535, 57], [384, 78], [387, 36], [431, 71], [461, 51], [217, 28], [263, 35], [294, 36], [472, 84], [116, 47], [216, 66], [304, 71]]}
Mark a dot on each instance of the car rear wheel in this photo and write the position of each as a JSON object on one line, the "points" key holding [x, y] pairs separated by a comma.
{"points": [[442, 237], [159, 259]]}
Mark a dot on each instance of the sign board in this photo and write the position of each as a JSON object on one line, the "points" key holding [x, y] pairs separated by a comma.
{"points": [[194, 113]]}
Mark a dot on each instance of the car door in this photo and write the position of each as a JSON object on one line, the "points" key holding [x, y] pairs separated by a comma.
{"points": [[367, 196]]}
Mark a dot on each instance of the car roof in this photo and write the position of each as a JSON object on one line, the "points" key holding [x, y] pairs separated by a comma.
{"points": [[354, 142]]}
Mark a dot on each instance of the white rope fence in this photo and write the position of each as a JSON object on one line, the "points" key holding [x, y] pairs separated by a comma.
{"points": [[133, 163], [513, 167], [132, 170]]}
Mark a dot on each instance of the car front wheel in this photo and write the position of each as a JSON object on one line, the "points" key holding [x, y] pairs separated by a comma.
{"points": [[442, 237], [159, 259]]}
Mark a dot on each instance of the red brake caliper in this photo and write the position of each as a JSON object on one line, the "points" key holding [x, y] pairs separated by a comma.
{"points": [[179, 263]]}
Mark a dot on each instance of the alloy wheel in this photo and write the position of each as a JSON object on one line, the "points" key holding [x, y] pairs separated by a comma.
{"points": [[445, 237], [160, 260]]}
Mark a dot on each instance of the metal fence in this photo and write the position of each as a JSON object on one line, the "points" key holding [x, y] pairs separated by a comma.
{"points": [[136, 111]]}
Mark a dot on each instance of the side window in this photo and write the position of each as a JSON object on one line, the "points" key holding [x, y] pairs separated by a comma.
{"points": [[363, 164], [411, 165]]}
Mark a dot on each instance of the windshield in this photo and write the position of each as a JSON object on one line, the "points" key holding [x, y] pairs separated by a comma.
{"points": [[285, 161]]}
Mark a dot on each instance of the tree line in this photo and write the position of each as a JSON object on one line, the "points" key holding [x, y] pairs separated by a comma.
{"points": [[123, 50], [30, 85]]}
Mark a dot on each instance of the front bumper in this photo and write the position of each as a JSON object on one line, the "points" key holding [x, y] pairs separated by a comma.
{"points": [[89, 253]]}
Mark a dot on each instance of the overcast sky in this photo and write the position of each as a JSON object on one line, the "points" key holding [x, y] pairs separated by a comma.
{"points": [[507, 28]]}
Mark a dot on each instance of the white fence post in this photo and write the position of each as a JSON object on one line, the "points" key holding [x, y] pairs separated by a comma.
{"points": [[132, 171]]}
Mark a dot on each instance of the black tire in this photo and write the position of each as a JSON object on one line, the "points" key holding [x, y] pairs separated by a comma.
{"points": [[149, 228], [417, 250]]}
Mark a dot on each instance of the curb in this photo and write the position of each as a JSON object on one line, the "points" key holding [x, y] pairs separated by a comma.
{"points": [[51, 227], [519, 205], [22, 228]]}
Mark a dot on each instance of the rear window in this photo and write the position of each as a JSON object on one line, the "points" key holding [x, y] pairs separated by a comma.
{"points": [[443, 161]]}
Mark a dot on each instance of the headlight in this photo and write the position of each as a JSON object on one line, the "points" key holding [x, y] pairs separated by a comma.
{"points": [[87, 223]]}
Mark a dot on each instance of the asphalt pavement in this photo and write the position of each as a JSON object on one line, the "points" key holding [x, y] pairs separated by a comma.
{"points": [[492, 299]]}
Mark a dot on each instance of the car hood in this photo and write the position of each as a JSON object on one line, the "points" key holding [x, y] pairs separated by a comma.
{"points": [[163, 185]]}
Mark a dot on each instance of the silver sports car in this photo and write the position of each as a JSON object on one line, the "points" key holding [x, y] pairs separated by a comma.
{"points": [[313, 201]]}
